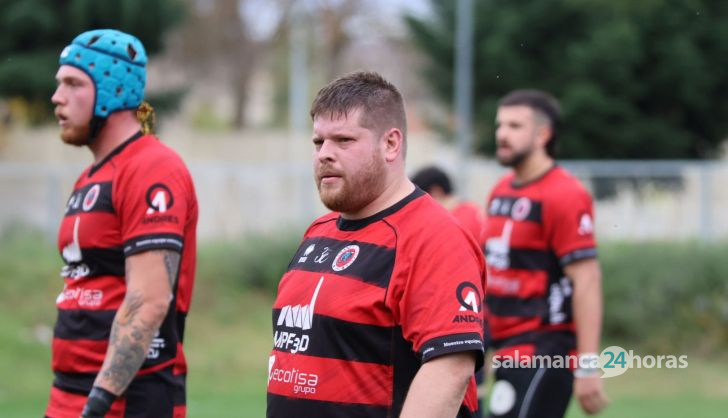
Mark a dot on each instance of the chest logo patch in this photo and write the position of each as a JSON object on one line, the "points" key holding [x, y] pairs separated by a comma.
{"points": [[345, 257], [92, 195]]}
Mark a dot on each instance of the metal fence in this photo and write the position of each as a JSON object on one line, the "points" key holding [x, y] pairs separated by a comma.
{"points": [[643, 200]]}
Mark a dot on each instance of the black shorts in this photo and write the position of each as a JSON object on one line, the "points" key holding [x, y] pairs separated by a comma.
{"points": [[531, 392]]}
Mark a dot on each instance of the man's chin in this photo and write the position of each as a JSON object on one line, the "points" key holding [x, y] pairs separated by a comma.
{"points": [[76, 138]]}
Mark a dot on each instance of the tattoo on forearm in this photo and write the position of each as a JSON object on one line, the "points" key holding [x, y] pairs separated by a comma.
{"points": [[171, 263], [129, 338]]}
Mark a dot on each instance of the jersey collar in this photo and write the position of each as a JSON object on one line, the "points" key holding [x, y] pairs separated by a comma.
{"points": [[357, 224]]}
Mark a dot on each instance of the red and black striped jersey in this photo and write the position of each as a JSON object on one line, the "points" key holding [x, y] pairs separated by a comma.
{"points": [[365, 302], [139, 198], [532, 231]]}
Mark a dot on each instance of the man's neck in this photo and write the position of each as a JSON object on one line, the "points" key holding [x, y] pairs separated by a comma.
{"points": [[395, 191], [119, 127], [532, 168]]}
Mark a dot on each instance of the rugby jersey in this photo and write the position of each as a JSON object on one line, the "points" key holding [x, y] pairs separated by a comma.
{"points": [[139, 198], [532, 231], [365, 302]]}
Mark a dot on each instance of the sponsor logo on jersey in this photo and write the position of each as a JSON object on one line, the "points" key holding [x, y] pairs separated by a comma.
{"points": [[586, 225], [521, 209], [301, 382], [498, 249], [297, 316], [87, 298], [156, 347], [470, 301], [72, 255], [159, 198], [323, 256], [91, 197], [345, 258], [306, 253]]}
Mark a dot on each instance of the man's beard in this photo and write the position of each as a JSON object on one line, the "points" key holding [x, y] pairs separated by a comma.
{"points": [[76, 135], [516, 158], [357, 189]]}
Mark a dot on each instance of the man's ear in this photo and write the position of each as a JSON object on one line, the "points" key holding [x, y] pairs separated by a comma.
{"points": [[393, 144]]}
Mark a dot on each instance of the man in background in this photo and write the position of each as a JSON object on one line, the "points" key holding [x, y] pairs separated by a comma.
{"points": [[379, 313], [438, 185], [544, 293], [127, 239]]}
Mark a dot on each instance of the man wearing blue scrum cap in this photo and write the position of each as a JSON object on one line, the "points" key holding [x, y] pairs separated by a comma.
{"points": [[127, 240]]}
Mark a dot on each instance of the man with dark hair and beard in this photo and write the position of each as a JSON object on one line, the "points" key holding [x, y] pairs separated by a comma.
{"points": [[127, 239], [379, 313], [544, 289]]}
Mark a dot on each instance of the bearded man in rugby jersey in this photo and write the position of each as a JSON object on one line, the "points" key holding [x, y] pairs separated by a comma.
{"points": [[544, 289], [379, 313], [127, 239]]}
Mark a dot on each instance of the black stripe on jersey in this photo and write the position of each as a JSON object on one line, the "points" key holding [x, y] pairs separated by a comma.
{"points": [[96, 262], [577, 255], [75, 324], [351, 341], [514, 306], [373, 263], [86, 200], [506, 206], [534, 260], [282, 406], [143, 243], [454, 343], [78, 383], [546, 342]]}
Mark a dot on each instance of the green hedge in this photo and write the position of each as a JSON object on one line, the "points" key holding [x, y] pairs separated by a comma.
{"points": [[666, 296], [660, 297]]}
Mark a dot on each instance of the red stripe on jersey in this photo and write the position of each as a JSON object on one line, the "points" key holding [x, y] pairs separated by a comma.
{"points": [[521, 352], [98, 293], [502, 327], [330, 380], [517, 283], [357, 296], [180, 367], [69, 405], [78, 356]]}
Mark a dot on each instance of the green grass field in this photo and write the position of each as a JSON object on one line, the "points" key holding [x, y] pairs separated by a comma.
{"points": [[228, 350], [227, 343]]}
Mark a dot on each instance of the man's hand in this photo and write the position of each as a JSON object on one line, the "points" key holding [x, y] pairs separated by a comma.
{"points": [[589, 390]]}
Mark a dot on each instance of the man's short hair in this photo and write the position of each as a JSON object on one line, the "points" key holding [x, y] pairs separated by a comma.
{"points": [[544, 104], [381, 103], [431, 176]]}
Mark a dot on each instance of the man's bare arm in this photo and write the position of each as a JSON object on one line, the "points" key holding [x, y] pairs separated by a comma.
{"points": [[439, 387]]}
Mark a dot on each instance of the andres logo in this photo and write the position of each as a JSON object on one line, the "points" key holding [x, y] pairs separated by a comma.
{"points": [[468, 297], [159, 198]]}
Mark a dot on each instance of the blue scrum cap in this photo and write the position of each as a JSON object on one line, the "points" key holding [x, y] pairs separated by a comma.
{"points": [[116, 63]]}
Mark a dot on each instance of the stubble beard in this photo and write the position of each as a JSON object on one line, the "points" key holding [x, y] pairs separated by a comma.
{"points": [[76, 135], [357, 190]]}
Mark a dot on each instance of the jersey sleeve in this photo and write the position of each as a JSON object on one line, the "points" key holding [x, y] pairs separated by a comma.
{"points": [[440, 308], [152, 200], [569, 226]]}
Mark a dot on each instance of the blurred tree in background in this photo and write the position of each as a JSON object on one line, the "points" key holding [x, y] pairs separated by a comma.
{"points": [[33, 33], [644, 79]]}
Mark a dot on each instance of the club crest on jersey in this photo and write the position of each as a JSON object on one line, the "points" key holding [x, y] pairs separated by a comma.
{"points": [[345, 257], [159, 198], [92, 195], [521, 208]]}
